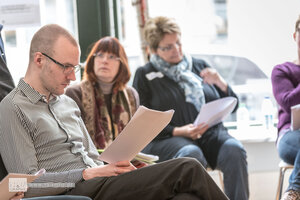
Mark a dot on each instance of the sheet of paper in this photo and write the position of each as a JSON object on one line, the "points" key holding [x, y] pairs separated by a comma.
{"points": [[10, 184], [216, 111], [143, 127], [295, 117]]}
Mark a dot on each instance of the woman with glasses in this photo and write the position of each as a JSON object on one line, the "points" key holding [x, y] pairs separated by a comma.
{"points": [[286, 90], [174, 80], [106, 102]]}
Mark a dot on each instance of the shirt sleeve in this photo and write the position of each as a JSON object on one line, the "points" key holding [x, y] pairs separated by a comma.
{"points": [[285, 92], [19, 155]]}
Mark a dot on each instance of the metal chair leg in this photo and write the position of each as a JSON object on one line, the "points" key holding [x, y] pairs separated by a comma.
{"points": [[280, 183], [278, 195]]}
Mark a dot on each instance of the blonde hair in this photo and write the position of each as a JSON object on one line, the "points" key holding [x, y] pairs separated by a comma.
{"points": [[157, 27], [44, 39]]}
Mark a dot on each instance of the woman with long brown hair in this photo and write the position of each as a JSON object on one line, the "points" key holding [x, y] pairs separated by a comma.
{"points": [[106, 102]]}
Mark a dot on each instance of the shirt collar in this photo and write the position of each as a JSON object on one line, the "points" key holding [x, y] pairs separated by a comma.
{"points": [[33, 95]]}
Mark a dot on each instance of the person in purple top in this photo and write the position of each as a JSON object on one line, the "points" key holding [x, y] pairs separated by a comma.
{"points": [[286, 89]]}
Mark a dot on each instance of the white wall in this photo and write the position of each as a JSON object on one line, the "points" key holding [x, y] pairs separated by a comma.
{"points": [[262, 30]]}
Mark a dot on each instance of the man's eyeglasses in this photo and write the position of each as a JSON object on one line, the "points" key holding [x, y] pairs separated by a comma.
{"points": [[110, 57], [67, 69], [170, 47]]}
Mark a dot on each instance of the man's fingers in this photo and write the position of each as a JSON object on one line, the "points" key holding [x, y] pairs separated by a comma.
{"points": [[123, 163]]}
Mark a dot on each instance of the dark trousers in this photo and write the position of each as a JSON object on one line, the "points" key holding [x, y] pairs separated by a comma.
{"points": [[59, 197], [165, 180]]}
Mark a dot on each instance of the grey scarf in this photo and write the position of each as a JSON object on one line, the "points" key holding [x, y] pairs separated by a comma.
{"points": [[183, 75]]}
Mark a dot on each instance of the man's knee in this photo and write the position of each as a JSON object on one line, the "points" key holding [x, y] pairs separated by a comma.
{"points": [[187, 162]]}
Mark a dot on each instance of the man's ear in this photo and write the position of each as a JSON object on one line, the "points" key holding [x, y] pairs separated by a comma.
{"points": [[38, 59], [294, 36]]}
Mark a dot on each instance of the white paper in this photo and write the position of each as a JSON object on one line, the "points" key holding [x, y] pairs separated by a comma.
{"points": [[216, 111], [295, 117], [143, 127], [17, 185]]}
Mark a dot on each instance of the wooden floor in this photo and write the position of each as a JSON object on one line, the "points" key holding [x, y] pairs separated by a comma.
{"points": [[263, 185]]}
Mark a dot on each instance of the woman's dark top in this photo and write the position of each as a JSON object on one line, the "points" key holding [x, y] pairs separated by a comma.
{"points": [[162, 93]]}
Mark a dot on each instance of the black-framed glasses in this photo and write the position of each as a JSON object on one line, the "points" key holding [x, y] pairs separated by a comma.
{"points": [[67, 69], [170, 47]]}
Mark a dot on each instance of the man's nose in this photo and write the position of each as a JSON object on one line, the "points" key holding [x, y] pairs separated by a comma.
{"points": [[72, 76]]}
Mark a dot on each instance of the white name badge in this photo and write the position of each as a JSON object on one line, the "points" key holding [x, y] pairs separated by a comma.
{"points": [[152, 75], [17, 185]]}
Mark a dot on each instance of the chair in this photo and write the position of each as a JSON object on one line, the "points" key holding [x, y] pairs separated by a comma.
{"points": [[220, 177], [283, 166]]}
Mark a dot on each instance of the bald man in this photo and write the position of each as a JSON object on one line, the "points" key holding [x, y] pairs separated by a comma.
{"points": [[42, 128]]}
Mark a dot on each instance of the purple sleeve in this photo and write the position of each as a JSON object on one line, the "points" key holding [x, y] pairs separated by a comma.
{"points": [[286, 93]]}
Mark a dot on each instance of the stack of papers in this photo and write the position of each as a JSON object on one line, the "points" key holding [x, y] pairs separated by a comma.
{"points": [[216, 111], [146, 158]]}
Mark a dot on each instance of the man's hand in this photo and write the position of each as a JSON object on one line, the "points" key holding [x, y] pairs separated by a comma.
{"points": [[138, 164], [191, 131], [108, 170], [17, 196]]}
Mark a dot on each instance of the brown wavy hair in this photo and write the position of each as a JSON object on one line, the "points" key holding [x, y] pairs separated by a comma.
{"points": [[113, 46]]}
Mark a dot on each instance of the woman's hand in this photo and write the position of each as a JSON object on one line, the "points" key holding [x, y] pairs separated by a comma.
{"points": [[211, 76], [113, 169], [191, 131]]}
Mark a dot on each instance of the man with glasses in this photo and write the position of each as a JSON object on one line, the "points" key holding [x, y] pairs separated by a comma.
{"points": [[42, 128], [6, 85]]}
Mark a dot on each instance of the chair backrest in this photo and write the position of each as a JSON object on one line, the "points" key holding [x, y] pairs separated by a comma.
{"points": [[3, 171]]}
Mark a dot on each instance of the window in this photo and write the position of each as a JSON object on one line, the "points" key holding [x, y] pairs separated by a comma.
{"points": [[17, 40]]}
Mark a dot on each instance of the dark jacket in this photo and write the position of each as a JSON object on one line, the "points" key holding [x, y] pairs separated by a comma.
{"points": [[162, 93], [6, 81]]}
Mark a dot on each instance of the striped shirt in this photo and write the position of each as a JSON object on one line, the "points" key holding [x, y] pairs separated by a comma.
{"points": [[36, 134]]}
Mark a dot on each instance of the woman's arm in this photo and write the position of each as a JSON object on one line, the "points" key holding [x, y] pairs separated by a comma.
{"points": [[141, 84], [212, 77], [285, 92]]}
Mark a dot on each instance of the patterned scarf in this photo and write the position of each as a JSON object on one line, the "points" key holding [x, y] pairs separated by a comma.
{"points": [[183, 75], [97, 119]]}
